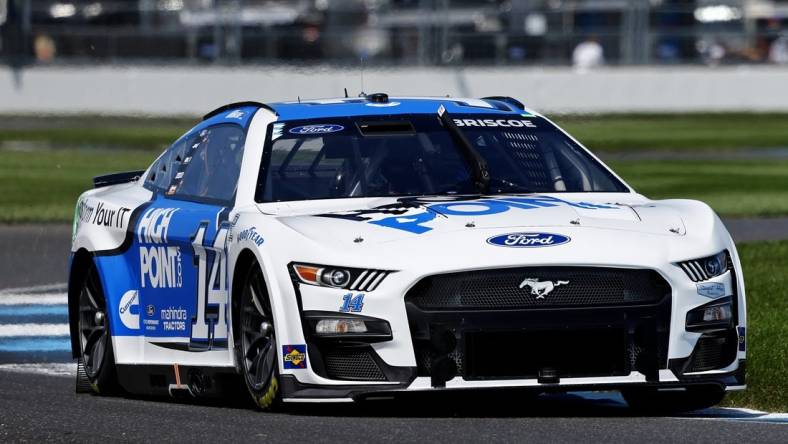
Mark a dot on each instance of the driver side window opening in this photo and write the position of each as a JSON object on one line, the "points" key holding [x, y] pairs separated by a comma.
{"points": [[212, 164]]}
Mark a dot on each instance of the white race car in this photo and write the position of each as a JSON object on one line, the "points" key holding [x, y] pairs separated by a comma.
{"points": [[333, 250]]}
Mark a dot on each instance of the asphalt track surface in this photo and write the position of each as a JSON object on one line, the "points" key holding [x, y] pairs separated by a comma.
{"points": [[38, 402]]}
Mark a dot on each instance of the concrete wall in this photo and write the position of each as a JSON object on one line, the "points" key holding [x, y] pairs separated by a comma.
{"points": [[162, 90]]}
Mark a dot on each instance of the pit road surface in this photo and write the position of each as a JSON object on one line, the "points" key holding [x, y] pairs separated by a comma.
{"points": [[38, 404]]}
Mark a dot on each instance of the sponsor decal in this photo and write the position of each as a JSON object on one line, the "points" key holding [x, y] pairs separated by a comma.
{"points": [[277, 131], [415, 215], [84, 211], [150, 324], [528, 240], [316, 129], [742, 339], [252, 235], [128, 309], [237, 114], [231, 229], [495, 123], [711, 289], [154, 224], [160, 266], [352, 304], [294, 356], [540, 289], [102, 215], [174, 318]]}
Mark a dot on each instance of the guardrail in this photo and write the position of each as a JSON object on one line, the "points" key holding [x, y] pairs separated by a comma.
{"points": [[191, 90]]}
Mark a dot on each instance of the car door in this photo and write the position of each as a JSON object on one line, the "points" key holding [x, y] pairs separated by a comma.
{"points": [[181, 237]]}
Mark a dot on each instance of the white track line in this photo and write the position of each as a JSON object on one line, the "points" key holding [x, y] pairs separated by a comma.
{"points": [[49, 288], [53, 369], [54, 294], [17, 330], [32, 299]]}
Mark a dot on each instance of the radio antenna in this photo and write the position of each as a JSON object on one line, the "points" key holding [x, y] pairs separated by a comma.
{"points": [[346, 96], [362, 78]]}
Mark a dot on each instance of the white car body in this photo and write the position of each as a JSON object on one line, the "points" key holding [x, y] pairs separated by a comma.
{"points": [[434, 236]]}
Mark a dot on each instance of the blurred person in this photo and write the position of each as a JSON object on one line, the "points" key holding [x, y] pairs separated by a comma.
{"points": [[712, 53], [44, 48], [778, 51], [588, 54]]}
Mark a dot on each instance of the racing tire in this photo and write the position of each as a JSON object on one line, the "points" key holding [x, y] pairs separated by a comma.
{"points": [[256, 349], [693, 398], [97, 357]]}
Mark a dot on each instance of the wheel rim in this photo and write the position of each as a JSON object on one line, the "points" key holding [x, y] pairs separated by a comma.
{"points": [[257, 336], [93, 332]]}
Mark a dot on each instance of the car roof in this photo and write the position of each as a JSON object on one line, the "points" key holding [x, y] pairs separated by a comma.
{"points": [[381, 104]]}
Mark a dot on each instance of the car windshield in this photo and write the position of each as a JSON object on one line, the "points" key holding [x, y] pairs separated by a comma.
{"points": [[416, 155]]}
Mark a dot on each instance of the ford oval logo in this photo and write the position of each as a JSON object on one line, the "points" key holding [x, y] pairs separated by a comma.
{"points": [[528, 240], [316, 129]]}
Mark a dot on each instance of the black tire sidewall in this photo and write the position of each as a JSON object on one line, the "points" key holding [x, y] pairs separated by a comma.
{"points": [[268, 397], [105, 381]]}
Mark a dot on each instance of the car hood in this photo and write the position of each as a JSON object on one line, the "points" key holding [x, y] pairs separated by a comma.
{"points": [[380, 220]]}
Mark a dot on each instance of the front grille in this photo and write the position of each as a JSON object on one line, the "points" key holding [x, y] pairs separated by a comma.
{"points": [[551, 287], [713, 351], [352, 364]]}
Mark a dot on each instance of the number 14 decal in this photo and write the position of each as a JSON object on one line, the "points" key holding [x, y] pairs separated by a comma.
{"points": [[210, 324], [352, 304]]}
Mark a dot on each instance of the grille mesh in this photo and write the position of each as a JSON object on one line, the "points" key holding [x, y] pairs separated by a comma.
{"points": [[357, 365], [713, 352], [571, 286]]}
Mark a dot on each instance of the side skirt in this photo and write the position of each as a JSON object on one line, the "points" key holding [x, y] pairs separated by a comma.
{"points": [[178, 380]]}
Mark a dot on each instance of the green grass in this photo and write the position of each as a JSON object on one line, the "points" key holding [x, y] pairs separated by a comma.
{"points": [[42, 186], [707, 131], [731, 187], [81, 131], [600, 132], [766, 277]]}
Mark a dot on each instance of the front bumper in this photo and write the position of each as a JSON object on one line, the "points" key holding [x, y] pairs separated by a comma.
{"points": [[653, 347]]}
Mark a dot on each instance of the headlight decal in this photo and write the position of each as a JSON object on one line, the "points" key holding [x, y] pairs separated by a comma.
{"points": [[705, 268], [356, 279]]}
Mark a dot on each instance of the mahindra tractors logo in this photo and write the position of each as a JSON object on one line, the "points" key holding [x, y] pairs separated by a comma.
{"points": [[540, 289]]}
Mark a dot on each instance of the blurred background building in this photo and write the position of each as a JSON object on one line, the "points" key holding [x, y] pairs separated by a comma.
{"points": [[395, 32]]}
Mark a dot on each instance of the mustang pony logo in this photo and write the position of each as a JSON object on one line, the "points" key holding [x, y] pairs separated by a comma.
{"points": [[541, 289]]}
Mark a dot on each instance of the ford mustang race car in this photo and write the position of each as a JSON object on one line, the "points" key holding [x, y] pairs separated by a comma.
{"points": [[337, 250]]}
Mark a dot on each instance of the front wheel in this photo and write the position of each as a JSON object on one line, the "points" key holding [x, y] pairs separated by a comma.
{"points": [[95, 341], [256, 343], [693, 398]]}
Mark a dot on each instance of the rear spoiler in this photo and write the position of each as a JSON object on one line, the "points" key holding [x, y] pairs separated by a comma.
{"points": [[116, 178]]}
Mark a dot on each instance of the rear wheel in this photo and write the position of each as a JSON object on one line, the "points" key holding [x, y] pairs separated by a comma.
{"points": [[95, 341], [256, 343], [693, 398]]}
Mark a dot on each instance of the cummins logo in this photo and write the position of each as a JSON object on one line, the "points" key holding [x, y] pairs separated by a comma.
{"points": [[128, 309]]}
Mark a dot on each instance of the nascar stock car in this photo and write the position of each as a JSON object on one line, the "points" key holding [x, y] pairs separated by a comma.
{"points": [[335, 250]]}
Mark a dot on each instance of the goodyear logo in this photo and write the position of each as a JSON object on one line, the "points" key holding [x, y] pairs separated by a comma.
{"points": [[294, 356]]}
